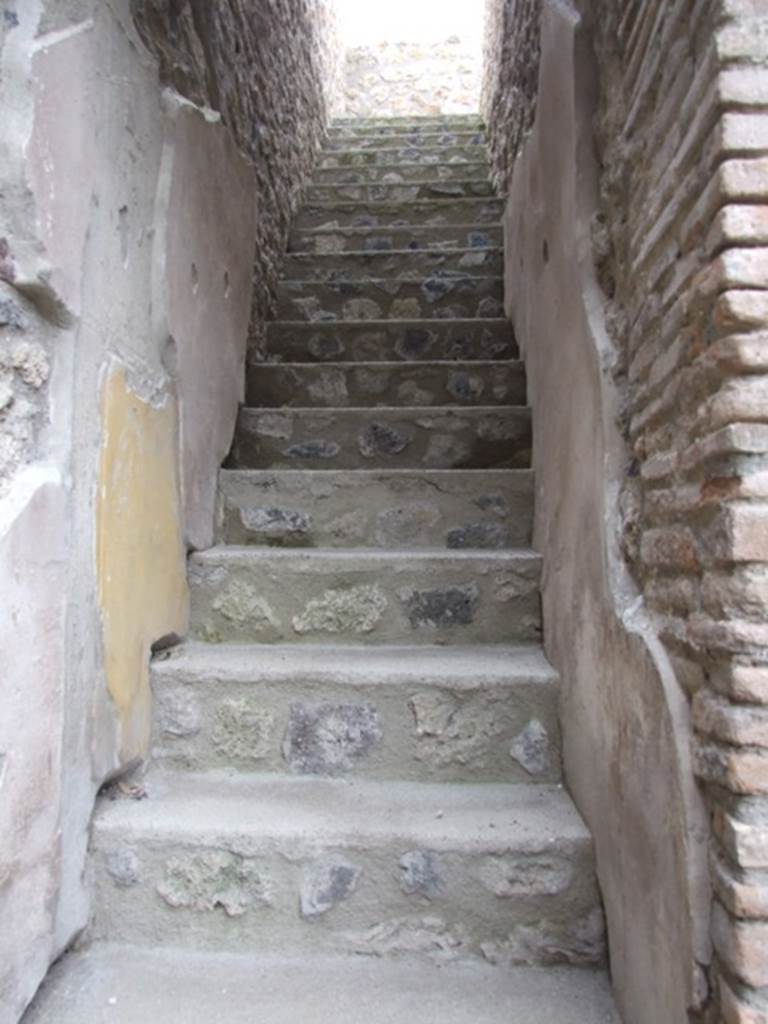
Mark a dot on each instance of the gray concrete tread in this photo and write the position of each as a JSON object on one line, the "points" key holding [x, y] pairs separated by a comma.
{"points": [[265, 810], [349, 255], [223, 553], [461, 667], [404, 411], [111, 984], [365, 231], [384, 204]]}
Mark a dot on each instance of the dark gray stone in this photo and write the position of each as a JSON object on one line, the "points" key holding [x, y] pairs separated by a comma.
{"points": [[494, 503], [326, 883], [464, 387], [381, 439], [11, 315], [313, 450], [324, 346], [278, 524], [478, 535], [479, 240], [325, 739], [441, 608], [422, 874], [415, 343]]}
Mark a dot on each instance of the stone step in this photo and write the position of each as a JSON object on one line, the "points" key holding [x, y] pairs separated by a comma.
{"points": [[272, 595], [431, 212], [382, 239], [126, 985], [340, 385], [445, 294], [428, 714], [390, 340], [407, 139], [379, 263], [458, 508], [275, 864], [473, 118], [431, 437], [401, 173], [404, 192], [442, 155], [398, 125]]}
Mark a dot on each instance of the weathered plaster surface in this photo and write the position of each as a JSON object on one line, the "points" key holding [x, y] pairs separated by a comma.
{"points": [[140, 555], [34, 581], [205, 282], [106, 353], [625, 718]]}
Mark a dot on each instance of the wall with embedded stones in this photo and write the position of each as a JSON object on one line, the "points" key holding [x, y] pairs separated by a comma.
{"points": [[130, 219], [414, 78], [636, 279]]}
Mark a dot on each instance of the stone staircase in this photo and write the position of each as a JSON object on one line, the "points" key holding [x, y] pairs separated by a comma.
{"points": [[355, 808]]}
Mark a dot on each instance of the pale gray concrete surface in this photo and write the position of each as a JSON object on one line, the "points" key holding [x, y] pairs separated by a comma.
{"points": [[121, 985]]}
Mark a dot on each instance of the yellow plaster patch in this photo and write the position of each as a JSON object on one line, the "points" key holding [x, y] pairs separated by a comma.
{"points": [[140, 553]]}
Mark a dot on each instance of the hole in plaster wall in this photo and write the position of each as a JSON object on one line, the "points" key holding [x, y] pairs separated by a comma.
{"points": [[545, 251], [122, 229], [227, 287], [170, 356], [194, 278]]}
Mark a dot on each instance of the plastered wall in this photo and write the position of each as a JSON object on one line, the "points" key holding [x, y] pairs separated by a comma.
{"points": [[129, 219]]}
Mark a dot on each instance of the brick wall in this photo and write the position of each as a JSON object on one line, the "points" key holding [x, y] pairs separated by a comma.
{"points": [[683, 133], [681, 254]]}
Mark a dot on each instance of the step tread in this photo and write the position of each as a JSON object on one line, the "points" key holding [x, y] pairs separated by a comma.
{"points": [[355, 812], [320, 556], [461, 667], [127, 985]]}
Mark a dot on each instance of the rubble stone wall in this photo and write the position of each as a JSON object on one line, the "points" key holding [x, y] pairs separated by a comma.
{"points": [[643, 326], [393, 79]]}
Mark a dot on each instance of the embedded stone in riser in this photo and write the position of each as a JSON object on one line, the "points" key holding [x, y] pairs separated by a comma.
{"points": [[401, 173], [457, 296], [253, 595], [397, 192], [457, 509], [332, 712], [408, 140], [217, 873], [431, 212], [390, 340], [408, 154], [488, 437], [340, 385], [352, 266], [383, 239]]}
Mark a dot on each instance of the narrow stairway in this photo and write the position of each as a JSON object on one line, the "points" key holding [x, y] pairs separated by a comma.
{"points": [[355, 810]]}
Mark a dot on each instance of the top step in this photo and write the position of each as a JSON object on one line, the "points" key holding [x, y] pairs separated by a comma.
{"points": [[467, 122]]}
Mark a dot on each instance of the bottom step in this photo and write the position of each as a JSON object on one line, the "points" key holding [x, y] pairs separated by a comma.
{"points": [[122, 985]]}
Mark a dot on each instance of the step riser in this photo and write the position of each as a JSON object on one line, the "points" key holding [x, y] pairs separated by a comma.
{"points": [[384, 384], [433, 213], [314, 726], [390, 599], [266, 886], [428, 155], [428, 438], [398, 193], [456, 297], [378, 264], [454, 510], [420, 122], [400, 174], [464, 340], [397, 238], [407, 140]]}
